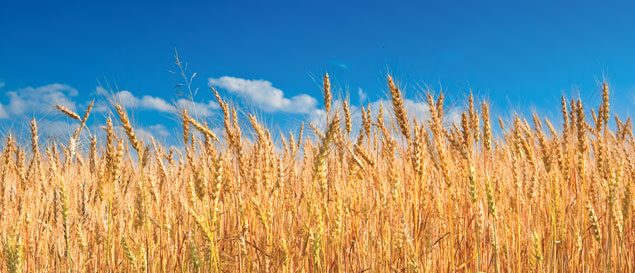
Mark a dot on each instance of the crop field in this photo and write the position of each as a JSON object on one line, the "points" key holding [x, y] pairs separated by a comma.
{"points": [[395, 195]]}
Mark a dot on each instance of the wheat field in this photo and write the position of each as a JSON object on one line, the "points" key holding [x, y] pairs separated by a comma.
{"points": [[399, 195]]}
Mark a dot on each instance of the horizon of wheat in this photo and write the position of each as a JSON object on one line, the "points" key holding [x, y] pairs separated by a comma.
{"points": [[401, 196]]}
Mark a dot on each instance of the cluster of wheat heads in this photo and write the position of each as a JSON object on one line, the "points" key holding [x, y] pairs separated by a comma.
{"points": [[400, 195]]}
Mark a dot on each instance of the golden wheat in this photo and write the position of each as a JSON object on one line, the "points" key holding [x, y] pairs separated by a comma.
{"points": [[402, 195]]}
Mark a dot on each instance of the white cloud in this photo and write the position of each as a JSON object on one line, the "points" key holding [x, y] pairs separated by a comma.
{"points": [[318, 117], [147, 102], [265, 95], [362, 95], [3, 113], [38, 99], [340, 65], [158, 131], [130, 101], [197, 109], [57, 128], [1, 84]]}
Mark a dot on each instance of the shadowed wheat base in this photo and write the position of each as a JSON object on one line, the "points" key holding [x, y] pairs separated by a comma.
{"points": [[399, 196]]}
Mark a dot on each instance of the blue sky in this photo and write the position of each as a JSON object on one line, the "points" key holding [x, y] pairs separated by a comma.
{"points": [[269, 56]]}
